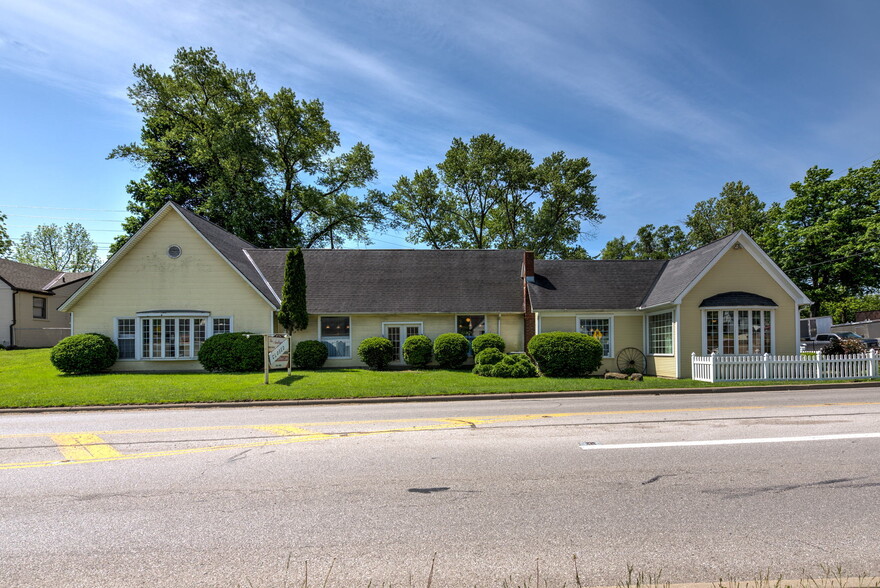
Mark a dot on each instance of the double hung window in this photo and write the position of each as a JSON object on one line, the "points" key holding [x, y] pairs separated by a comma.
{"points": [[601, 329]]}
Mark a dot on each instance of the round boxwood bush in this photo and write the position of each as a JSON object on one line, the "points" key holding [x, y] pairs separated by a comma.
{"points": [[514, 367], [450, 350], [417, 350], [232, 352], [376, 352], [88, 353], [483, 370], [488, 356], [487, 341], [565, 355], [309, 355]]}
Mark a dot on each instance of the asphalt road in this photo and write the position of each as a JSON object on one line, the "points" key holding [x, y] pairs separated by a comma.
{"points": [[698, 486]]}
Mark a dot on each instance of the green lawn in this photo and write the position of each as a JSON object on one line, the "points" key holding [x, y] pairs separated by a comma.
{"points": [[27, 379]]}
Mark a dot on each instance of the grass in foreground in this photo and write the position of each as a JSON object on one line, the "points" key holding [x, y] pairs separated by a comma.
{"points": [[28, 379]]}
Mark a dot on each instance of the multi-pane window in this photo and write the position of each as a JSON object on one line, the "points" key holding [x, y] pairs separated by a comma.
{"points": [[172, 338], [222, 325], [125, 337], [660, 334], [39, 307], [600, 328], [398, 334], [336, 335], [739, 332]]}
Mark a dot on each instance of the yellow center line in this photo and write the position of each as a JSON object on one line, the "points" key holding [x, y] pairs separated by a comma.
{"points": [[84, 447], [89, 447]]}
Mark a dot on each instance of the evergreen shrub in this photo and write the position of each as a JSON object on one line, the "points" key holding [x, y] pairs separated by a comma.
{"points": [[232, 352], [376, 352], [309, 355], [565, 355], [417, 350], [450, 350], [88, 353], [487, 341]]}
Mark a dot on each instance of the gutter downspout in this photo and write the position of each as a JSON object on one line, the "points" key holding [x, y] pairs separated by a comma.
{"points": [[499, 324], [12, 324]]}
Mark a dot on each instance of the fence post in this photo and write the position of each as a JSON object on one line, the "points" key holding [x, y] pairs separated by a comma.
{"points": [[766, 366], [693, 364], [818, 364], [872, 363], [712, 367]]}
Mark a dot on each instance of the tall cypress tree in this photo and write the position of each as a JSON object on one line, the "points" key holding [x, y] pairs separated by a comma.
{"points": [[293, 315]]}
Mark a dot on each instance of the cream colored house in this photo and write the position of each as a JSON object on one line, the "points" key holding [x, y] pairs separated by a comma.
{"points": [[181, 279], [29, 301]]}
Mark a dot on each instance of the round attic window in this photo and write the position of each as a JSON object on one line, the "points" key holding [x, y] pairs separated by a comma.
{"points": [[174, 251]]}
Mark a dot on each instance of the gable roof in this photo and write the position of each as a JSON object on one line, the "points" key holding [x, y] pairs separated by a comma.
{"points": [[402, 280], [682, 271], [592, 285], [31, 278], [230, 248]]}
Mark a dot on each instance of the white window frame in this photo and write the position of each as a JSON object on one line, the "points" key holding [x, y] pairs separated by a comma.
{"points": [[670, 312], [321, 338], [139, 331], [404, 324], [735, 309], [134, 336], [610, 319]]}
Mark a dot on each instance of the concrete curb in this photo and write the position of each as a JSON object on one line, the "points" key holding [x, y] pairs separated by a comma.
{"points": [[446, 398]]}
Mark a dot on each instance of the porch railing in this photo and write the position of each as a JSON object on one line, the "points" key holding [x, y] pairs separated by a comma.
{"points": [[736, 368]]}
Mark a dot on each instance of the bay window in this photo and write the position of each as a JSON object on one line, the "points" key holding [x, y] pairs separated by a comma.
{"points": [[738, 331], [162, 335]]}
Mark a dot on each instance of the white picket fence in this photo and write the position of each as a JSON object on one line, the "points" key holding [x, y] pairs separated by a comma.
{"points": [[736, 368]]}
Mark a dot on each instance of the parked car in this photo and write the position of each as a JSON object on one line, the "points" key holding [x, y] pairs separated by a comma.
{"points": [[823, 339]]}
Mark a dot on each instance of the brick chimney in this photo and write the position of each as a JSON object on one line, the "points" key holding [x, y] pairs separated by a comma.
{"points": [[528, 275]]}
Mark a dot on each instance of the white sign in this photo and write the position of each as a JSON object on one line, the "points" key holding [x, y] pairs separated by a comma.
{"points": [[279, 349]]}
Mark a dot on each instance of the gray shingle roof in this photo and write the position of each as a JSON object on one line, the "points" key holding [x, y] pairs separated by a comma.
{"points": [[402, 281], [681, 271], [22, 276], [231, 247], [592, 285]]}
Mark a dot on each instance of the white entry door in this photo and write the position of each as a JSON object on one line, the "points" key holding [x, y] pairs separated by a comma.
{"points": [[397, 334]]}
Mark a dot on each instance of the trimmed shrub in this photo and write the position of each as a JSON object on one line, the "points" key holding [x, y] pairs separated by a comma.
{"points": [[488, 356], [565, 355], [845, 347], [487, 341], [417, 350], [232, 352], [88, 353], [450, 350], [483, 370], [376, 352], [309, 355]]}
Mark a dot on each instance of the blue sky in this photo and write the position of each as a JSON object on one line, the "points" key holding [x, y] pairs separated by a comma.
{"points": [[668, 99]]}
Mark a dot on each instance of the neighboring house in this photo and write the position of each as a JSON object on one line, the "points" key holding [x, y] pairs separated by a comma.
{"points": [[29, 301], [181, 279]]}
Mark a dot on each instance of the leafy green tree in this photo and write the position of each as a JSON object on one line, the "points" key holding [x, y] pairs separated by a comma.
{"points": [[265, 167], [618, 248], [293, 315], [825, 237], [485, 194], [67, 249], [5, 241], [736, 208], [845, 309], [664, 242]]}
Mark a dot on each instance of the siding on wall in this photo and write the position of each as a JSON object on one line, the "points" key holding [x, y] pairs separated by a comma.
{"points": [[628, 331], [364, 326], [5, 313], [736, 271], [31, 332], [147, 279]]}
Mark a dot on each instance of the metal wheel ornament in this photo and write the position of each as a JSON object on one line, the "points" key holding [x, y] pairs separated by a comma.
{"points": [[631, 360]]}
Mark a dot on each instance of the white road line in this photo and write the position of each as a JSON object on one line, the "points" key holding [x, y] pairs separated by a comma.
{"points": [[589, 446]]}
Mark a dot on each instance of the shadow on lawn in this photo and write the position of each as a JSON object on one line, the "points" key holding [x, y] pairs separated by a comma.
{"points": [[288, 380]]}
